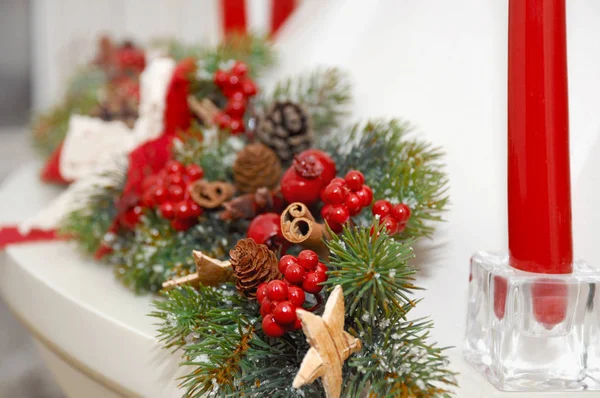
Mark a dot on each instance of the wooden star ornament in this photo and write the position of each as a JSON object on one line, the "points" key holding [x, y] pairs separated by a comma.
{"points": [[209, 272], [330, 345]]}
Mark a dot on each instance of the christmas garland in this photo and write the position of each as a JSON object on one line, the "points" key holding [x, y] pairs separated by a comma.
{"points": [[278, 235]]}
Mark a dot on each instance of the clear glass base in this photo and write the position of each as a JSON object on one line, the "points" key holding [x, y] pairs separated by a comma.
{"points": [[533, 332]]}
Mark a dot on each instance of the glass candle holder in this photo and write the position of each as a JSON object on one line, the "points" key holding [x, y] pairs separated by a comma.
{"points": [[533, 332]]}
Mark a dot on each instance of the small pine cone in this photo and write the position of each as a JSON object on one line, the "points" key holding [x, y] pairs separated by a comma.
{"points": [[256, 166], [252, 265], [286, 129]]}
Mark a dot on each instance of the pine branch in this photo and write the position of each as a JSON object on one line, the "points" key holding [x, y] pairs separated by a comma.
{"points": [[89, 223], [398, 168], [325, 93]]}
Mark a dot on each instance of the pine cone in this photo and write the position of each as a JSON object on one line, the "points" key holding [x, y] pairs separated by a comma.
{"points": [[256, 166], [286, 129], [252, 265]]}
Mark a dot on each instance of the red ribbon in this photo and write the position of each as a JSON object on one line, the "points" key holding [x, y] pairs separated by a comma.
{"points": [[10, 235], [233, 16], [280, 12]]}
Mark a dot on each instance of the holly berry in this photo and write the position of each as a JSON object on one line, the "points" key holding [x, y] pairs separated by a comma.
{"points": [[308, 259], [174, 167], [322, 268], [285, 313], [239, 69], [176, 193], [353, 203], [236, 126], [277, 290], [355, 180], [401, 213], [296, 296], [334, 194], [167, 210], [365, 195], [294, 274], [221, 78], [261, 292], [312, 282], [390, 223], [382, 208], [194, 172], [286, 261], [271, 327], [339, 214]]}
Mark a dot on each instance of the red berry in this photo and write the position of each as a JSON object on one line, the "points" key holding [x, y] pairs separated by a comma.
{"points": [[308, 259], [298, 324], [249, 88], [176, 193], [174, 180], [321, 268], [311, 283], [221, 78], [167, 210], [382, 208], [355, 180], [390, 223], [235, 109], [233, 82], [151, 181], [326, 211], [271, 328], [222, 120], [160, 196], [148, 198], [194, 172], [236, 126], [334, 194], [195, 210], [237, 96], [296, 296], [182, 225], [401, 228], [182, 210], [285, 262], [277, 290], [353, 203], [267, 306], [261, 292], [132, 217], [339, 214], [295, 274], [335, 227], [285, 313], [321, 276], [174, 167], [338, 181], [240, 69], [266, 229], [366, 195], [401, 213]]}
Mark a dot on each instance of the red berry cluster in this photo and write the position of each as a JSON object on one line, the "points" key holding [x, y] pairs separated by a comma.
{"points": [[279, 299], [237, 87], [393, 217], [345, 198], [168, 190]]}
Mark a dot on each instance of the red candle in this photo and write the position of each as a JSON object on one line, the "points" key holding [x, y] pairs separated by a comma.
{"points": [[539, 191]]}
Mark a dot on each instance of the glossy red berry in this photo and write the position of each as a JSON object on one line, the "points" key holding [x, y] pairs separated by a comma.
{"points": [[285, 262], [240, 69], [296, 295], [132, 217], [194, 172], [174, 167], [266, 307], [261, 292], [355, 180], [175, 179], [366, 195], [233, 83], [182, 210], [266, 229], [221, 78], [249, 88], [285, 313], [277, 290], [235, 109], [271, 327], [401, 213], [311, 283], [326, 211], [335, 227], [339, 214], [167, 210], [334, 194], [160, 196], [195, 210], [382, 208], [295, 274], [297, 324], [182, 224], [353, 204], [222, 120], [401, 228], [176, 193], [390, 223], [308, 259], [322, 268], [236, 126]]}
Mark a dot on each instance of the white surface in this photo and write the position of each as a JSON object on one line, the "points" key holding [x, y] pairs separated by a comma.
{"points": [[77, 305], [441, 65]]}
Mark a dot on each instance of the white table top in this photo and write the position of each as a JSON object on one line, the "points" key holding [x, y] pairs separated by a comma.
{"points": [[75, 306]]}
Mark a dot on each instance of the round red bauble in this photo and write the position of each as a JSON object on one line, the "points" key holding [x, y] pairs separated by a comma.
{"points": [[271, 327], [277, 290], [266, 229], [285, 313]]}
